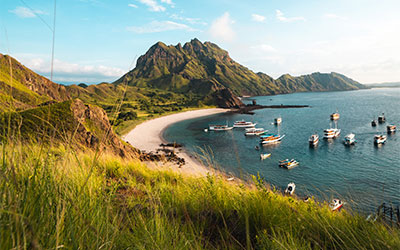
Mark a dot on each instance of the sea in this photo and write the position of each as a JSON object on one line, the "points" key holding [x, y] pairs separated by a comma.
{"points": [[364, 175]]}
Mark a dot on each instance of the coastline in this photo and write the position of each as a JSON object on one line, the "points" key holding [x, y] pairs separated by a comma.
{"points": [[147, 136]]}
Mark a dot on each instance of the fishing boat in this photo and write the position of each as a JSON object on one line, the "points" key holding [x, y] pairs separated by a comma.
{"points": [[391, 128], [350, 139], [335, 116], [331, 133], [373, 123], [380, 139], [219, 128], [313, 140], [290, 188], [271, 138], [265, 156], [244, 124], [278, 120], [255, 131], [382, 118], [336, 205], [288, 164]]}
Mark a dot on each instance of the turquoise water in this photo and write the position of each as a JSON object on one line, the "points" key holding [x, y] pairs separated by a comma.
{"points": [[364, 175]]}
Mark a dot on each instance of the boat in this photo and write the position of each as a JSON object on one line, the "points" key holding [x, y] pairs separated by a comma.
{"points": [[381, 118], [219, 127], [335, 116], [331, 133], [231, 179], [290, 188], [336, 205], [265, 156], [271, 138], [257, 147], [278, 120], [288, 164], [255, 131], [350, 139], [313, 140], [244, 124], [380, 139], [373, 123], [391, 128]]}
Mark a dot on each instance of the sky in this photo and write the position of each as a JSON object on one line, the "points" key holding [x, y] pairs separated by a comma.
{"points": [[100, 40]]}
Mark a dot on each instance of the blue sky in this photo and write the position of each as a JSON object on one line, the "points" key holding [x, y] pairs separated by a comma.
{"points": [[98, 40]]}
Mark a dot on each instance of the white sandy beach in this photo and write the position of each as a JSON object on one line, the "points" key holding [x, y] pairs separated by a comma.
{"points": [[147, 136]]}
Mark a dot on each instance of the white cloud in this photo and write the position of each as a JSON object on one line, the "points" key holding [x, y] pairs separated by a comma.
{"points": [[334, 16], [24, 12], [258, 18], [188, 19], [153, 5], [159, 26], [169, 2], [133, 5], [264, 48], [281, 17], [222, 29], [70, 72]]}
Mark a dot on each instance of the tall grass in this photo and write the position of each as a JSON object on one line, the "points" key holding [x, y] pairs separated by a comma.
{"points": [[53, 198]]}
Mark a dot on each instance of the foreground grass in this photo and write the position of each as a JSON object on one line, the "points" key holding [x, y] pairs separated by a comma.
{"points": [[54, 198]]}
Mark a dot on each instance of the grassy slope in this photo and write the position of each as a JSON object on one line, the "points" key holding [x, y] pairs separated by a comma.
{"points": [[53, 198]]}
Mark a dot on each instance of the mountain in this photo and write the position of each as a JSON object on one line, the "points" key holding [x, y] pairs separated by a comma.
{"points": [[206, 70], [27, 88], [385, 85], [69, 123]]}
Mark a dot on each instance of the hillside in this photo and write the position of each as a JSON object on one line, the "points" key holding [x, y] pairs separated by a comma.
{"points": [[54, 198], [205, 69], [27, 89], [70, 123]]}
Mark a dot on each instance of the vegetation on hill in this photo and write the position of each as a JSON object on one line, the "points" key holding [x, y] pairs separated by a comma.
{"points": [[21, 88], [55, 198], [70, 123]]}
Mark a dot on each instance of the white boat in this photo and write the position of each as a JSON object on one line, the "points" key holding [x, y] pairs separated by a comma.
{"points": [[331, 133], [391, 128], [278, 120], [381, 118], [350, 139], [290, 188], [265, 156], [230, 179], [380, 139], [336, 205], [288, 164], [244, 124], [335, 116], [313, 140], [271, 138], [219, 127], [255, 131]]}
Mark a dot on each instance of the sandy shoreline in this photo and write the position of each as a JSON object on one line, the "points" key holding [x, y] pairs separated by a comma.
{"points": [[147, 136]]}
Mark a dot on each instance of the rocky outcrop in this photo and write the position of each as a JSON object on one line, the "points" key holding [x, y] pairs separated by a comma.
{"points": [[94, 130]]}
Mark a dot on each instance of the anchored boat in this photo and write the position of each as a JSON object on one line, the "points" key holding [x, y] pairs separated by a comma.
{"points": [[336, 205], [244, 124], [380, 139], [350, 139], [265, 156], [271, 138], [335, 116], [219, 128], [382, 118], [290, 188], [288, 164], [391, 128], [313, 140], [255, 131], [373, 123], [278, 120], [331, 133]]}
